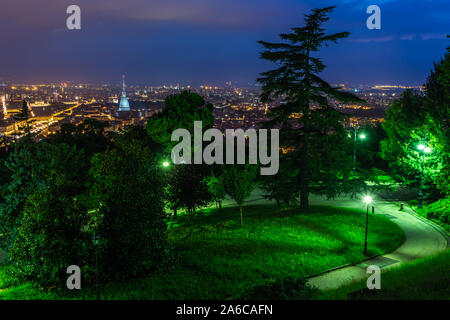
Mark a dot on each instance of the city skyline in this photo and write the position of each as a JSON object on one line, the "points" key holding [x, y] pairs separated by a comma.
{"points": [[200, 42], [225, 153]]}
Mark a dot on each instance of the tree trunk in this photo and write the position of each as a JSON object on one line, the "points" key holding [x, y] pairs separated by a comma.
{"points": [[242, 219], [220, 205], [304, 185], [278, 203], [304, 197], [175, 213]]}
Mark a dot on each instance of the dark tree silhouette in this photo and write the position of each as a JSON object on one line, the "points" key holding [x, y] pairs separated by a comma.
{"points": [[310, 126]]}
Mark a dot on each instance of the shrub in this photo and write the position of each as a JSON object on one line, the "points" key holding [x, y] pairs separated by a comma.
{"points": [[439, 211], [130, 216], [287, 289], [49, 239]]}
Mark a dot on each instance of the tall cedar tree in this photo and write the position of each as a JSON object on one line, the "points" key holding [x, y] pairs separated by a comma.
{"points": [[316, 132]]}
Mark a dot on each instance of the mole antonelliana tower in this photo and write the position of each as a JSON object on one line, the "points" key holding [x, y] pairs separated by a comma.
{"points": [[124, 104]]}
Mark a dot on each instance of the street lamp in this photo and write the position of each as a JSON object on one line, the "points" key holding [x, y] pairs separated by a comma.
{"points": [[362, 136], [165, 165], [367, 200], [424, 149]]}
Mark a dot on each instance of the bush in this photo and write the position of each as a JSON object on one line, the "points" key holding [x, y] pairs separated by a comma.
{"points": [[49, 239], [438, 211], [130, 217], [287, 289]]}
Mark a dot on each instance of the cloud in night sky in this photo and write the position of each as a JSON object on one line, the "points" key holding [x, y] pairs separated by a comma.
{"points": [[199, 41]]}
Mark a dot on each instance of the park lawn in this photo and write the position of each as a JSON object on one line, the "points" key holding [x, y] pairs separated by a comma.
{"points": [[424, 279], [216, 259]]}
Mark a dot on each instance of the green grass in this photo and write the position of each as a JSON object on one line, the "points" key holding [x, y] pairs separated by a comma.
{"points": [[216, 259], [425, 279]]}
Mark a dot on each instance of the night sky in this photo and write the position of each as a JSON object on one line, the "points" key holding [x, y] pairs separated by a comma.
{"points": [[212, 41]]}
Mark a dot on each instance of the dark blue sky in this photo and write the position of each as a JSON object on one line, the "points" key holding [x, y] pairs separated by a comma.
{"points": [[212, 41]]}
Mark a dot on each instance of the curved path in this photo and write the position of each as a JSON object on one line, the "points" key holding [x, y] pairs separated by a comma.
{"points": [[422, 239]]}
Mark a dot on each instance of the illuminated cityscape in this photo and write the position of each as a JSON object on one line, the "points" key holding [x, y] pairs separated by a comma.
{"points": [[54, 104]]}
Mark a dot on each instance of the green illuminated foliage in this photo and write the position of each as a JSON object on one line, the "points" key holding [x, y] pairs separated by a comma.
{"points": [[239, 182], [413, 120]]}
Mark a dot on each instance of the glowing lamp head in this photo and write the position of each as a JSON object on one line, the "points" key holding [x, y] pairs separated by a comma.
{"points": [[362, 136], [427, 150], [367, 199], [165, 164], [421, 147]]}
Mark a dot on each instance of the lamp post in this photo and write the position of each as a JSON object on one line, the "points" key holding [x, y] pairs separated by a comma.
{"points": [[367, 200], [362, 136], [96, 241], [423, 149], [164, 165]]}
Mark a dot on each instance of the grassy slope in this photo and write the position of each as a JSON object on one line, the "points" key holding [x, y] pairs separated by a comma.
{"points": [[427, 278], [217, 260]]}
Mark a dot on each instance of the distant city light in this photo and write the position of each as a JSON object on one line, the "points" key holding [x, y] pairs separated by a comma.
{"points": [[232, 105]]}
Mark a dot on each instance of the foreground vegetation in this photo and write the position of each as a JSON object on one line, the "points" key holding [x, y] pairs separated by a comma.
{"points": [[216, 259], [438, 212], [423, 279]]}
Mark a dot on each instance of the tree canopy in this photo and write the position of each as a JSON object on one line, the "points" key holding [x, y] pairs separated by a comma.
{"points": [[415, 120], [310, 126], [180, 111]]}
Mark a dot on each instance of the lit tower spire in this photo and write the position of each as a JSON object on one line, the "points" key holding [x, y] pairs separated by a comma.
{"points": [[124, 104], [124, 93]]}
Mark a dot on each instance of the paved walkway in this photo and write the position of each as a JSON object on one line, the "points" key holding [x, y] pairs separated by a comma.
{"points": [[422, 239]]}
